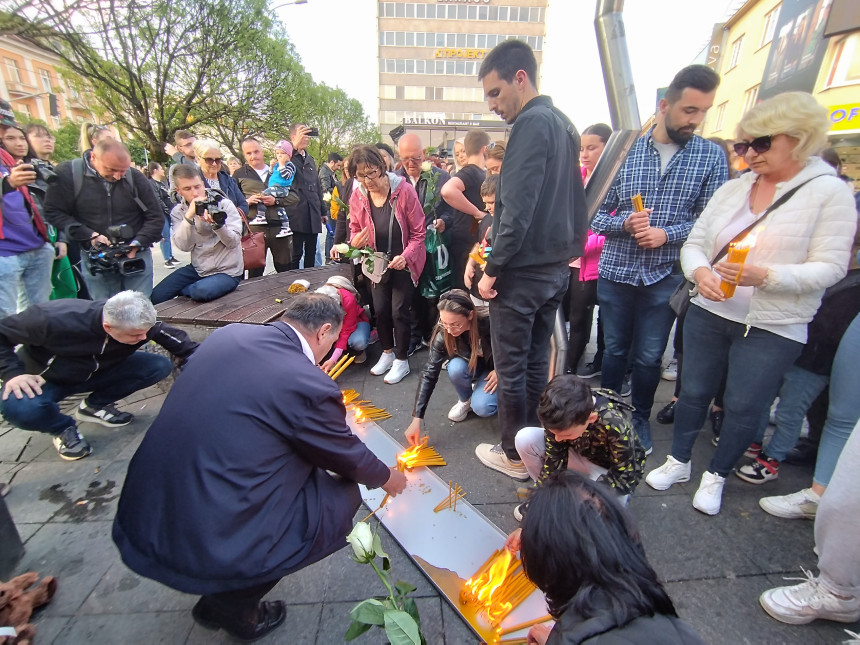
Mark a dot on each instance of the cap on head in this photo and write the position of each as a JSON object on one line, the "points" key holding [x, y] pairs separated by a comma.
{"points": [[7, 116], [284, 146]]}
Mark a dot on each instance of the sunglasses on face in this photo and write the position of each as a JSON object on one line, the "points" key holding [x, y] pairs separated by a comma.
{"points": [[759, 145], [211, 161]]}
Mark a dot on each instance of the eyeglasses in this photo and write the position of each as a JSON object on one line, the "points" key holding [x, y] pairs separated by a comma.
{"points": [[373, 174], [212, 161], [491, 145], [759, 145], [412, 159], [451, 326]]}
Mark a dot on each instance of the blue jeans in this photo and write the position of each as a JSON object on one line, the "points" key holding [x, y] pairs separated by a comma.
{"points": [[165, 246], [637, 318], [360, 338], [42, 412], [185, 281], [484, 404], [104, 285], [25, 279], [844, 409], [755, 359], [799, 389]]}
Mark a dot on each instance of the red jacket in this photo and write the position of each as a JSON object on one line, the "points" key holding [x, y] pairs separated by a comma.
{"points": [[353, 313]]}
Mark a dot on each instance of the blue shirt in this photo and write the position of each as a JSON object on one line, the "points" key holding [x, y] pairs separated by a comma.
{"points": [[677, 197]]}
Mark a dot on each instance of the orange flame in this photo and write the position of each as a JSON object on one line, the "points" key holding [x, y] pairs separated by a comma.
{"points": [[749, 241], [407, 458], [482, 589]]}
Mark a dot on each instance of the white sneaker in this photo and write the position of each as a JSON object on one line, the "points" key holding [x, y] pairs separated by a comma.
{"points": [[284, 232], [809, 601], [460, 411], [709, 497], [383, 365], [260, 220], [670, 373], [672, 472], [399, 369], [802, 505]]}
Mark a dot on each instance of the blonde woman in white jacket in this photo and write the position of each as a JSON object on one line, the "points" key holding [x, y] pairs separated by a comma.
{"points": [[801, 248]]}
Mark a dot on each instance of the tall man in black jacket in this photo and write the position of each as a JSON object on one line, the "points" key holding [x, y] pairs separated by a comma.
{"points": [[306, 216], [103, 190], [539, 225], [71, 346]]}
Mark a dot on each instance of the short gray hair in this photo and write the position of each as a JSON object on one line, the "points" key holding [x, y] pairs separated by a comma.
{"points": [[310, 311], [201, 146], [129, 310]]}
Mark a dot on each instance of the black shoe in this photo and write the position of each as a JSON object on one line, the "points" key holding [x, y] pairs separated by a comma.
{"points": [[414, 346], [667, 414], [592, 369], [106, 415], [270, 614], [626, 388], [71, 445], [717, 417], [804, 453]]}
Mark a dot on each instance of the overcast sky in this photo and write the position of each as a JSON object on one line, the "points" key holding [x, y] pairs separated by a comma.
{"points": [[337, 42]]}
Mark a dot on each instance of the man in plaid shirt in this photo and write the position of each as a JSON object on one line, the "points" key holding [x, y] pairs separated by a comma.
{"points": [[675, 172]]}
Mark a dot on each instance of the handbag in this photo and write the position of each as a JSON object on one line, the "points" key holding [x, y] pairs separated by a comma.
{"points": [[253, 247], [680, 298], [375, 265], [436, 277]]}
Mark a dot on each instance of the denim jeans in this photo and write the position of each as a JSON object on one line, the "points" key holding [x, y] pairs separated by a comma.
{"points": [[185, 281], [484, 404], [844, 410], [756, 361], [25, 279], [637, 318], [42, 412], [799, 389], [165, 246], [360, 338], [523, 315], [104, 285]]}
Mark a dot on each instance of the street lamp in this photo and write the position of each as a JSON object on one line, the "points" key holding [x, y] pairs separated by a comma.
{"points": [[286, 4]]}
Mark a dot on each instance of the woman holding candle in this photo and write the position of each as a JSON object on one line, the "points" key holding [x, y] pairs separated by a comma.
{"points": [[803, 220], [462, 337]]}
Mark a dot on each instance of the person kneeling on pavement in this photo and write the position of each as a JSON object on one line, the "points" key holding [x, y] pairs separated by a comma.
{"points": [[73, 346], [213, 235], [355, 332], [585, 430]]}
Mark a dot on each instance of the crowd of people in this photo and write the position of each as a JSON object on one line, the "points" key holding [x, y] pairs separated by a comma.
{"points": [[779, 325]]}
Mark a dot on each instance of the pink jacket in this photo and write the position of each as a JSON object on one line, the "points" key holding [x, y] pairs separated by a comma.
{"points": [[591, 257], [406, 208], [353, 313]]}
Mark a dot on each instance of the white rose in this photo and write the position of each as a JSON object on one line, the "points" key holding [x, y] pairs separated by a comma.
{"points": [[326, 197], [361, 540], [426, 166], [341, 248]]}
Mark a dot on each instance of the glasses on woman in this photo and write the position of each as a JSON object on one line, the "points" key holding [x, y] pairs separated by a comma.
{"points": [[759, 145], [213, 160], [373, 174], [457, 326]]}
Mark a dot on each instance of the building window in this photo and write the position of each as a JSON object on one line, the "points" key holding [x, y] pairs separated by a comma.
{"points": [[845, 69], [721, 116], [12, 71], [750, 97], [45, 76], [736, 53], [769, 26]]}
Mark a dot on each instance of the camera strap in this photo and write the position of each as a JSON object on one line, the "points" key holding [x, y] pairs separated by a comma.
{"points": [[79, 170]]}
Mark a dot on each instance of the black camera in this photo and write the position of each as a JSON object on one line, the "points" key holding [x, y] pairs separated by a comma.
{"points": [[213, 205], [313, 132], [44, 171], [113, 257]]}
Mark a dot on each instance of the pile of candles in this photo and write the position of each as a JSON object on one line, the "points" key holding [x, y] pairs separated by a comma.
{"points": [[363, 414], [419, 455], [455, 492], [638, 206], [497, 587], [336, 370]]}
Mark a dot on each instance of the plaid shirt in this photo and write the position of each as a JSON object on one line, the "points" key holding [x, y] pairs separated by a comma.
{"points": [[677, 196]]}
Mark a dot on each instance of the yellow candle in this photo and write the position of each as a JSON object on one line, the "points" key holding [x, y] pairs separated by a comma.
{"points": [[638, 206], [343, 367], [737, 255]]}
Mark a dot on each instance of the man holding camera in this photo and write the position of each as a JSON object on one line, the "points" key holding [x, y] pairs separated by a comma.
{"points": [[306, 216], [72, 346], [96, 193], [208, 225]]}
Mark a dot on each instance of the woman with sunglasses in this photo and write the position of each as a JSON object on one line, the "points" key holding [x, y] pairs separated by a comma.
{"points": [[385, 215], [798, 246], [215, 175], [462, 337]]}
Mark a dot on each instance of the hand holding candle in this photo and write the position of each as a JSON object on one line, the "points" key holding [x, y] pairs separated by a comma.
{"points": [[733, 270]]}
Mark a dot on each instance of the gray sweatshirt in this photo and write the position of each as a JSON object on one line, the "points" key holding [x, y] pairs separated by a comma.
{"points": [[212, 251]]}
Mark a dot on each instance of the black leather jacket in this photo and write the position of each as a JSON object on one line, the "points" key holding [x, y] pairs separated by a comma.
{"points": [[438, 355]]}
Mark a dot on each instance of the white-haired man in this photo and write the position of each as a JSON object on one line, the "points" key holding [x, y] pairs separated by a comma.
{"points": [[72, 346]]}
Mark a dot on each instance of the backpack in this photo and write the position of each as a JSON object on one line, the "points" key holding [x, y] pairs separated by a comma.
{"points": [[79, 170]]}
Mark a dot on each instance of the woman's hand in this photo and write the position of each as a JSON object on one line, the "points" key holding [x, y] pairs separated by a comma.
{"points": [[326, 367], [743, 275], [538, 635], [361, 239], [492, 382], [708, 284], [397, 262], [333, 254], [513, 543], [62, 250], [413, 432]]}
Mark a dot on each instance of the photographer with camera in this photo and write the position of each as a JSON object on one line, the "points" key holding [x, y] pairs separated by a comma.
{"points": [[306, 215], [208, 225], [26, 255], [99, 191]]}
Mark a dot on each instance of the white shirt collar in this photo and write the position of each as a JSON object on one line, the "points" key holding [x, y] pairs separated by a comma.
{"points": [[306, 348]]}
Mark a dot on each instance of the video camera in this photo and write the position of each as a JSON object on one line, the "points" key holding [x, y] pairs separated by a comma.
{"points": [[212, 204], [44, 171], [113, 257]]}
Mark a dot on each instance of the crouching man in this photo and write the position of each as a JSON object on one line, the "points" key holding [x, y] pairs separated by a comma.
{"points": [[72, 346], [246, 485], [212, 234]]}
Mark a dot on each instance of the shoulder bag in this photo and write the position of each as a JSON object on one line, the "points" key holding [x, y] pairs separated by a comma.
{"points": [[253, 247], [375, 266]]}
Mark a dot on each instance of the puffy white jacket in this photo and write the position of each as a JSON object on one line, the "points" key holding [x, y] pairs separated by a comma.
{"points": [[805, 243]]}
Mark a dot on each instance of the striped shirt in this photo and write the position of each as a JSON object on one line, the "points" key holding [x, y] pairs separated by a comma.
{"points": [[677, 197]]}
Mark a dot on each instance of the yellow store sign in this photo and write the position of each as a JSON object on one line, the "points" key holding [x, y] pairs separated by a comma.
{"points": [[844, 117], [460, 53]]}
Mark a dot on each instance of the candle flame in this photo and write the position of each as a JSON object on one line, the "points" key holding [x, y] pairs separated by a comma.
{"points": [[749, 241], [485, 586]]}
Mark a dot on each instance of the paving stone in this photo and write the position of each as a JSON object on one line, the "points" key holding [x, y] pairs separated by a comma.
{"points": [[121, 590], [457, 632], [26, 531], [48, 627], [335, 621], [110, 629], [12, 444]]}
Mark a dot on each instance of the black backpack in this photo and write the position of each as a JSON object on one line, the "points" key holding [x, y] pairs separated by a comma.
{"points": [[79, 170]]}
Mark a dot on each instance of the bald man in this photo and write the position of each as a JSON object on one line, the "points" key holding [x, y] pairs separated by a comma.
{"points": [[102, 190]]}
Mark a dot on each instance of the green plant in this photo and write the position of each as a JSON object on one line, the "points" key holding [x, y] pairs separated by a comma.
{"points": [[396, 612], [431, 195]]}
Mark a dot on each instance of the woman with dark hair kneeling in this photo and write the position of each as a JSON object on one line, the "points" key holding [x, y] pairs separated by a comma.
{"points": [[580, 547], [462, 337]]}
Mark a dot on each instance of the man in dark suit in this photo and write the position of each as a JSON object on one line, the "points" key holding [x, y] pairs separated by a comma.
{"points": [[229, 490]]}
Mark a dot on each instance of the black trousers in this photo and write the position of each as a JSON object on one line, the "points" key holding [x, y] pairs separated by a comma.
{"points": [[425, 313], [281, 249], [582, 298], [239, 605], [522, 318], [392, 302], [303, 243]]}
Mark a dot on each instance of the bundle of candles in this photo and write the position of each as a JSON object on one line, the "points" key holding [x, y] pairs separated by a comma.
{"points": [[419, 455], [738, 252], [497, 587], [638, 206], [351, 395], [455, 492], [344, 362], [362, 414]]}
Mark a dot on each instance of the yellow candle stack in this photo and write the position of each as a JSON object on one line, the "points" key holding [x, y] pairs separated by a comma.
{"points": [[455, 492], [638, 206], [737, 255]]}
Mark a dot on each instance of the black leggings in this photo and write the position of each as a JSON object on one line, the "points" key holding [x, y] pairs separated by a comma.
{"points": [[583, 298], [392, 302]]}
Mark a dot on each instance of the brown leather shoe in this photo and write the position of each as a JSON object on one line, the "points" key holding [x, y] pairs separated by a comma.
{"points": [[270, 614]]}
